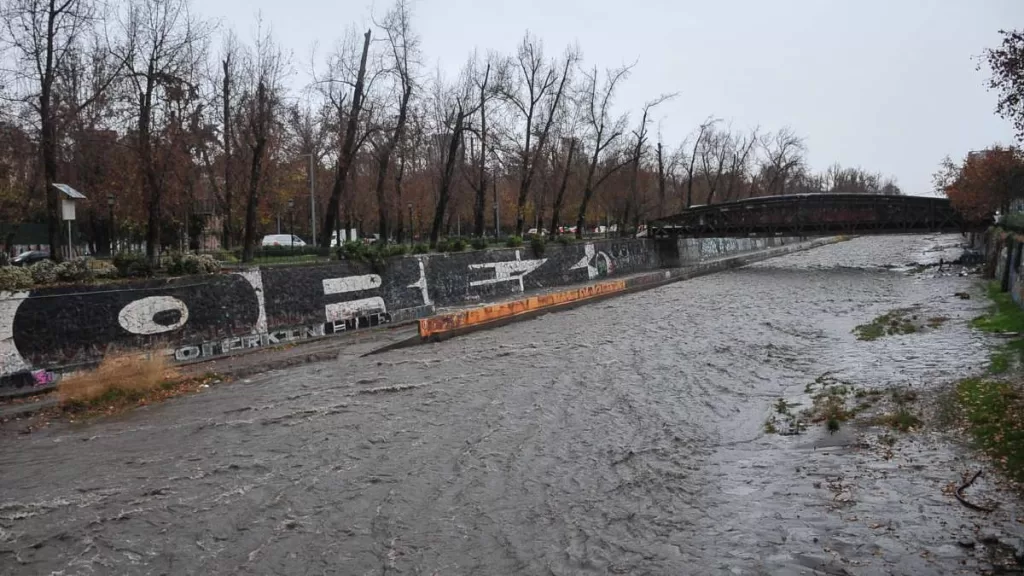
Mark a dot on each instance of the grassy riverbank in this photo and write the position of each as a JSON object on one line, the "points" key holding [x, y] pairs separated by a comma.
{"points": [[993, 405]]}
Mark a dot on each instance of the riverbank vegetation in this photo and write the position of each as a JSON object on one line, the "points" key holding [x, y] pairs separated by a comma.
{"points": [[992, 406], [832, 403], [182, 134], [123, 382], [897, 322]]}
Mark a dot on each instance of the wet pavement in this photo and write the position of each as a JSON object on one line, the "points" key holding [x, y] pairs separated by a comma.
{"points": [[624, 437]]}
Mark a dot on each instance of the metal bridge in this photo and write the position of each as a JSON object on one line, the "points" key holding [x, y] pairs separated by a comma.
{"points": [[817, 215]]}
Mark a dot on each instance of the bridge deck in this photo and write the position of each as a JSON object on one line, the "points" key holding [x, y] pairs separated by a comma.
{"points": [[817, 214]]}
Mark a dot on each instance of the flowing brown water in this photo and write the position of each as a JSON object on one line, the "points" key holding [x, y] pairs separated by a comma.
{"points": [[624, 437]]}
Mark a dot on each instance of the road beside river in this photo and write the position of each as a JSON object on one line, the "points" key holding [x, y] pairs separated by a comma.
{"points": [[623, 437]]}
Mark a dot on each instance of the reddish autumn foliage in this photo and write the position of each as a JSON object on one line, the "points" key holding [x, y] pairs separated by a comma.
{"points": [[987, 181]]}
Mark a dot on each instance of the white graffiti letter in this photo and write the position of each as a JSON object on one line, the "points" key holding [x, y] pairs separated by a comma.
{"points": [[422, 285], [138, 317], [509, 271], [353, 308]]}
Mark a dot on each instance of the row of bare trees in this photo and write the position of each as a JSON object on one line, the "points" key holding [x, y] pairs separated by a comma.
{"points": [[191, 129]]}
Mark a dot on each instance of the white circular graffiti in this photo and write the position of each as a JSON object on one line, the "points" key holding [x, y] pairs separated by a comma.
{"points": [[10, 359], [139, 317]]}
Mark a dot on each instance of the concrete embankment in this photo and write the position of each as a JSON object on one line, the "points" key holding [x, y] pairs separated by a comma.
{"points": [[49, 331], [450, 324]]}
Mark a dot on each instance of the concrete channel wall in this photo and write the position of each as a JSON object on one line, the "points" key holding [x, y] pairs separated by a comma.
{"points": [[46, 331]]}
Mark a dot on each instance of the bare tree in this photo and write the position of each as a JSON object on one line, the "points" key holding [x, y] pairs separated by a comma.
{"points": [[221, 84], [570, 145], [639, 149], [714, 151], [228, 67], [261, 104], [739, 162], [42, 36], [603, 133], [480, 139], [534, 89], [784, 153], [403, 50], [702, 131], [453, 106], [339, 71], [661, 178], [163, 54]]}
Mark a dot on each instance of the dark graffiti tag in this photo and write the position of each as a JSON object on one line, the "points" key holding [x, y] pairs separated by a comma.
{"points": [[234, 344]]}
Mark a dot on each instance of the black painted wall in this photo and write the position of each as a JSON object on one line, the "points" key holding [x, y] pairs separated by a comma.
{"points": [[59, 327]]}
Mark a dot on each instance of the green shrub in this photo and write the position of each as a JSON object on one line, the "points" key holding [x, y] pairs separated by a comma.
{"points": [[14, 278], [420, 248], [224, 256], [132, 265], [442, 245], [44, 272], [391, 250], [514, 241], [565, 240], [281, 251], [182, 264], [537, 245], [457, 245], [104, 270], [353, 250], [479, 243], [76, 270]]}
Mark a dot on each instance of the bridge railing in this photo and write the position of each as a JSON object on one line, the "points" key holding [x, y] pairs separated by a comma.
{"points": [[817, 214]]}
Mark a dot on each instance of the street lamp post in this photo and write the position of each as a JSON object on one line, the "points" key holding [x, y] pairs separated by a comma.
{"points": [[291, 220], [110, 208]]}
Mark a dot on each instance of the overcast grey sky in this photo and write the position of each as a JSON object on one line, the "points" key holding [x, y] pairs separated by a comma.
{"points": [[888, 85]]}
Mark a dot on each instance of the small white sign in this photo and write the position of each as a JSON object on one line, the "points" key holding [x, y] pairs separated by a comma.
{"points": [[67, 209]]}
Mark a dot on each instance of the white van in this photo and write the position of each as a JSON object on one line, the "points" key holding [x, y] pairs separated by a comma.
{"points": [[283, 240]]}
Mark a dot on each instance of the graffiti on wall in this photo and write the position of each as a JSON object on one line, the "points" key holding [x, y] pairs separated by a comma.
{"points": [[200, 318], [352, 308], [10, 359], [595, 262], [508, 271]]}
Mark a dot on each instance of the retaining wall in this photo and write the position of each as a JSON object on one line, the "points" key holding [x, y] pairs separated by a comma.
{"points": [[49, 330]]}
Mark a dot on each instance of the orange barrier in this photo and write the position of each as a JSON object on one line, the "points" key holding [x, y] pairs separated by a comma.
{"points": [[439, 325]]}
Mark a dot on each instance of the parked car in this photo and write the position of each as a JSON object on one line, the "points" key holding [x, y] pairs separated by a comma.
{"points": [[533, 232], [283, 240], [29, 258]]}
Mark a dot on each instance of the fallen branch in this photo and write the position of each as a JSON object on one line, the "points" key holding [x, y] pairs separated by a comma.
{"points": [[963, 500]]}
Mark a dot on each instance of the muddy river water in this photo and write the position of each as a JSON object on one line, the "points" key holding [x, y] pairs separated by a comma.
{"points": [[624, 437]]}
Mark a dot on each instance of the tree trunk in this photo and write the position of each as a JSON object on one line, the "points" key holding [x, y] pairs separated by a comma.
{"points": [[556, 209], [447, 176], [53, 213], [588, 192], [661, 182], [480, 208], [400, 230], [347, 150], [524, 181], [255, 173], [384, 160], [226, 231], [261, 128], [152, 183]]}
